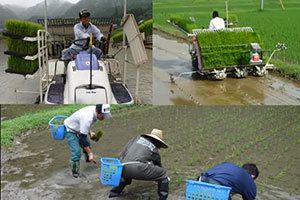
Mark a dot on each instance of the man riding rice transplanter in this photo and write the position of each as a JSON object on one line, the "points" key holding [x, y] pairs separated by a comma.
{"points": [[240, 179], [141, 160], [82, 30], [216, 22], [78, 127]]}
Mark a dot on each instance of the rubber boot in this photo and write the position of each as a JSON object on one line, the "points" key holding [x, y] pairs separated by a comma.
{"points": [[163, 189], [116, 191], [75, 165]]}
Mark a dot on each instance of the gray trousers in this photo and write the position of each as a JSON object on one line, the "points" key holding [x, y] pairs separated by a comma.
{"points": [[146, 172], [70, 53]]}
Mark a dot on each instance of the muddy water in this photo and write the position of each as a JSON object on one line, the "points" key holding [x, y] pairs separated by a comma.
{"points": [[37, 167], [170, 56], [11, 82]]}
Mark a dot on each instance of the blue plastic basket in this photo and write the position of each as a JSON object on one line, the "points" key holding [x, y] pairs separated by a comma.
{"points": [[111, 171], [203, 191], [57, 127]]}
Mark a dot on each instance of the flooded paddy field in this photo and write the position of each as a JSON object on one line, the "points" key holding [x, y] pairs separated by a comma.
{"points": [[171, 56], [11, 82], [37, 167]]}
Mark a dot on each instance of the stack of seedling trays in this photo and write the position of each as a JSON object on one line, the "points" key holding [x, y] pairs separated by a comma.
{"points": [[226, 48], [21, 40]]}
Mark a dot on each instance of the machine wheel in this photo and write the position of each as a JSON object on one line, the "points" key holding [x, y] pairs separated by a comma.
{"points": [[219, 74], [260, 71], [240, 73]]}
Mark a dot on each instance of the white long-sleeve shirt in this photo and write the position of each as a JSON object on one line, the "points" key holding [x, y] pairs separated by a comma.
{"points": [[82, 120], [81, 32], [217, 23]]}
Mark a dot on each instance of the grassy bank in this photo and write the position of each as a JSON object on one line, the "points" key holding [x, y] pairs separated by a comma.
{"points": [[273, 24], [35, 119], [287, 70]]}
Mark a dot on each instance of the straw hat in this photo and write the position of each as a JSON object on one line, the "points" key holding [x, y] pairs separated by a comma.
{"points": [[158, 135]]}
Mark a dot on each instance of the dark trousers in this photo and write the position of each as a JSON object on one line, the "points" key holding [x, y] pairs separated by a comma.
{"points": [[212, 181]]}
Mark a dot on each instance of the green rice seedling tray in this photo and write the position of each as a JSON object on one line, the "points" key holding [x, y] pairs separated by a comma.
{"points": [[226, 48], [21, 66]]}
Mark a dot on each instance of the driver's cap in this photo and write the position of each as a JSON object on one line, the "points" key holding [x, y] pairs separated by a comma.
{"points": [[84, 13]]}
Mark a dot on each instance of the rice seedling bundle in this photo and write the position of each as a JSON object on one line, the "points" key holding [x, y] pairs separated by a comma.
{"points": [[21, 47], [226, 48], [146, 27], [24, 28]]}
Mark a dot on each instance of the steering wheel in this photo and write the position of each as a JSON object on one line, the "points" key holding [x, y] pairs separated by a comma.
{"points": [[84, 42]]}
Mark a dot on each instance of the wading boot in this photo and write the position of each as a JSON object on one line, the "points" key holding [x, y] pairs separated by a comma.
{"points": [[75, 168], [116, 191], [163, 189]]}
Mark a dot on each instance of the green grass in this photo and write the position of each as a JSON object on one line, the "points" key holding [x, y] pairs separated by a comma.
{"points": [[33, 120], [273, 24], [145, 27], [183, 22], [288, 70]]}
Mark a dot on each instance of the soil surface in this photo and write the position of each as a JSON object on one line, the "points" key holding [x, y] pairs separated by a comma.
{"points": [[171, 56], [37, 167]]}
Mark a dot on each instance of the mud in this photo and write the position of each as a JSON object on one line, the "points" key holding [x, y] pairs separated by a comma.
{"points": [[11, 82], [170, 56], [37, 167]]}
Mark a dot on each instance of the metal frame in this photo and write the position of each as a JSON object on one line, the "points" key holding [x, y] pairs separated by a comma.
{"points": [[43, 61]]}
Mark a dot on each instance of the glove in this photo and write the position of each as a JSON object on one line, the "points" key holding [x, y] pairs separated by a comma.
{"points": [[91, 157], [96, 136]]}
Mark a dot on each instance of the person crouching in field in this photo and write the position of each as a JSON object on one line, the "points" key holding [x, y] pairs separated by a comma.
{"points": [[142, 161], [78, 127], [240, 179]]}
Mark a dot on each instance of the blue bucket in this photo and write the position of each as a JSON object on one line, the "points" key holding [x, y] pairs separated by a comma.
{"points": [[57, 127], [200, 190], [110, 171]]}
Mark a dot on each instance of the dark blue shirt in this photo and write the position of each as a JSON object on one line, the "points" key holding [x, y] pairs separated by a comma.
{"points": [[231, 175]]}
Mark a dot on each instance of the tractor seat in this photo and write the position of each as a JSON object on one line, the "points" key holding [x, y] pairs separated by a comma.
{"points": [[82, 61]]}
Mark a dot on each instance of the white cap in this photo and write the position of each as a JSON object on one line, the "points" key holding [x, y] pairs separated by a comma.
{"points": [[106, 111]]}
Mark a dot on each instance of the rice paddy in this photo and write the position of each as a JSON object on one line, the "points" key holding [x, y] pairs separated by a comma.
{"points": [[198, 138], [273, 24]]}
